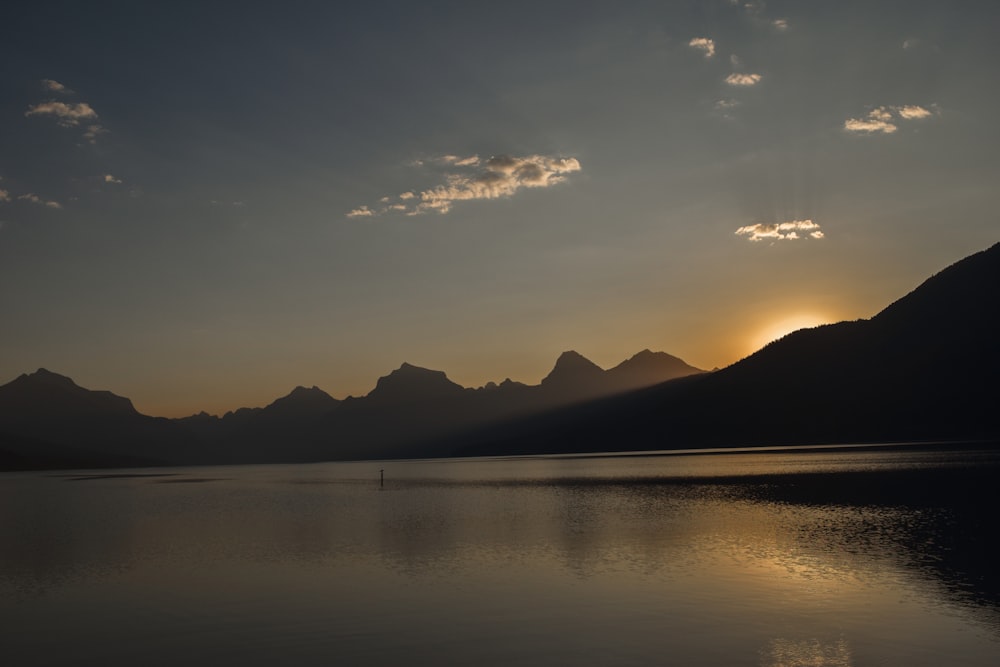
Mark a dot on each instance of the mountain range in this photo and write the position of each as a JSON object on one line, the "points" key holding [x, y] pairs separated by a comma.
{"points": [[925, 368], [46, 420]]}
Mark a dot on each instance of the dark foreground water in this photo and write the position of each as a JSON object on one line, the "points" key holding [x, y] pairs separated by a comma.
{"points": [[853, 557]]}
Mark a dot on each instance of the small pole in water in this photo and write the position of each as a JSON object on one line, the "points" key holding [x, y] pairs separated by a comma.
{"points": [[381, 477]]}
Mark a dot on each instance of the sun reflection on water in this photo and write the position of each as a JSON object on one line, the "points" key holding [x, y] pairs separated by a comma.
{"points": [[781, 652]]}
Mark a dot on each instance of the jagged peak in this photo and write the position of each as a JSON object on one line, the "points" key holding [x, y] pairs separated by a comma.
{"points": [[308, 398], [571, 366], [413, 382], [48, 377]]}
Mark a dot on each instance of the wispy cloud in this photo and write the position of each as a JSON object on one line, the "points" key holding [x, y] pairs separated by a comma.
{"points": [[4, 195], [781, 231], [703, 44], [92, 132], [740, 79], [910, 112], [68, 114], [360, 212], [780, 24], [108, 178], [884, 119], [55, 87], [471, 178], [724, 108], [35, 199]]}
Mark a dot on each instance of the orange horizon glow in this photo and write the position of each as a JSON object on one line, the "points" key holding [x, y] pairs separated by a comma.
{"points": [[781, 326]]}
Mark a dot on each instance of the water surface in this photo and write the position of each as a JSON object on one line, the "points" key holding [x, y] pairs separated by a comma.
{"points": [[813, 557]]}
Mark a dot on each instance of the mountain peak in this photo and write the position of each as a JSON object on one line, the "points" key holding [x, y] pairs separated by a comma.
{"points": [[46, 393], [301, 401], [413, 383], [647, 368], [572, 367], [47, 377]]}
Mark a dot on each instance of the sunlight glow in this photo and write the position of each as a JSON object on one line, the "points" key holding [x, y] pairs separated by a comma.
{"points": [[777, 328]]}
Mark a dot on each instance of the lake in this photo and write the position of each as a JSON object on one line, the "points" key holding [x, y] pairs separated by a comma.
{"points": [[813, 556]]}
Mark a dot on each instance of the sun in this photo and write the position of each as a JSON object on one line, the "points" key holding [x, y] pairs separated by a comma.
{"points": [[783, 325]]}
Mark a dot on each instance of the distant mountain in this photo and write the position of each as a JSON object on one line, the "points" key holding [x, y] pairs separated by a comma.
{"points": [[573, 369], [648, 368], [301, 402], [412, 384], [44, 394], [46, 421], [925, 368]]}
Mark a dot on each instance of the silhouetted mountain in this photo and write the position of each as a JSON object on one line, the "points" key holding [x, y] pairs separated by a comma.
{"points": [[46, 420], [46, 394], [924, 368], [572, 368], [412, 384], [648, 368]]}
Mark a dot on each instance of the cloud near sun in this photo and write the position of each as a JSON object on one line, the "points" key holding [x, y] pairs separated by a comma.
{"points": [[472, 178], [781, 231]]}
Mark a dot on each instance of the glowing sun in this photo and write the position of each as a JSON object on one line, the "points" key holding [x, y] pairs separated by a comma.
{"points": [[782, 326]]}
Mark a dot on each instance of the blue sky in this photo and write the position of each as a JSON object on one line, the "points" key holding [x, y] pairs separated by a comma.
{"points": [[204, 206]]}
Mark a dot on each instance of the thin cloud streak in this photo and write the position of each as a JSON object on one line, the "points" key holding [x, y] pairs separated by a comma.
{"points": [[471, 178], [781, 231], [67, 115], [35, 199]]}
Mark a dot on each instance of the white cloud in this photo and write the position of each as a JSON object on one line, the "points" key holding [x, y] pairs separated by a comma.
{"points": [[869, 126], [67, 115], [360, 212], [781, 231], [55, 87], [474, 178], [884, 119], [703, 44], [108, 178], [4, 195], [35, 199], [738, 79], [780, 24], [912, 111]]}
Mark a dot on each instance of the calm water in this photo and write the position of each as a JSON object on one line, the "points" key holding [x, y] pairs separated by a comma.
{"points": [[821, 557]]}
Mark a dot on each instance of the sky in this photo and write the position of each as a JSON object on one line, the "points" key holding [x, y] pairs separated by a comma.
{"points": [[204, 205]]}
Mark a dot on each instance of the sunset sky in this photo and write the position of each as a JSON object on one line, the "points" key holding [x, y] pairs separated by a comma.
{"points": [[202, 207]]}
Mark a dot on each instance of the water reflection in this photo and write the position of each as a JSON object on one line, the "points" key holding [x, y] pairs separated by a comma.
{"points": [[806, 653], [821, 559]]}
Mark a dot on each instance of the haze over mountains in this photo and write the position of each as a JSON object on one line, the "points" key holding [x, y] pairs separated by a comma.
{"points": [[925, 368]]}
